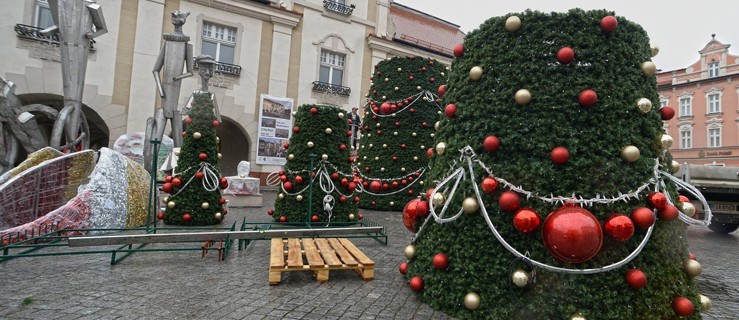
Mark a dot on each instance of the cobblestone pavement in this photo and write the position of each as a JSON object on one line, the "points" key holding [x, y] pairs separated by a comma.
{"points": [[182, 285]]}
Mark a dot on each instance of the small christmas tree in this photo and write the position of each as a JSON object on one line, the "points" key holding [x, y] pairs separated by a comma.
{"points": [[317, 183], [559, 205], [399, 121], [195, 195]]}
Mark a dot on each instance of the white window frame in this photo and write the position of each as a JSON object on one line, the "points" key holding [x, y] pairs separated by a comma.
{"points": [[714, 136], [713, 69], [664, 103], [221, 35], [714, 102], [333, 61], [686, 109], [686, 137]]}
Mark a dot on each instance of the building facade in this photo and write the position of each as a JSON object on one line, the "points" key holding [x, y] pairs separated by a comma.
{"points": [[311, 51], [705, 97]]}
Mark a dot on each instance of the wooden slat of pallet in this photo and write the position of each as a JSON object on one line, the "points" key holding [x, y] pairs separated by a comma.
{"points": [[294, 256], [358, 254], [328, 254], [277, 255], [312, 254], [345, 256]]}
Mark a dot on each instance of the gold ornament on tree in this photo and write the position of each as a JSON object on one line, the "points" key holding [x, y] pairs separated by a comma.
{"points": [[438, 199], [630, 154], [523, 97], [281, 196], [666, 141], [351, 216], [706, 303], [324, 157], [470, 205], [675, 166], [328, 131], [410, 251], [693, 268], [340, 115], [299, 197], [472, 301], [513, 23], [290, 156], [655, 51], [475, 73], [520, 278], [170, 204], [205, 205], [197, 135], [687, 208], [578, 316], [310, 144], [440, 147], [648, 68], [218, 216], [644, 105]]}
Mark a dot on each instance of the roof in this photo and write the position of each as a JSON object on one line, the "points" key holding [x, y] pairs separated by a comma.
{"points": [[424, 31]]}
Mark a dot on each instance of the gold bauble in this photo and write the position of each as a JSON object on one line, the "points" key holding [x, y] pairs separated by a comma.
{"points": [[382, 169], [513, 23], [436, 125], [378, 124], [630, 154], [472, 301], [351, 216], [310, 144], [197, 135], [666, 141], [218, 216], [392, 203], [440, 148], [644, 105], [692, 268], [165, 200], [205, 205], [299, 198], [387, 79], [438, 199], [655, 51], [420, 182], [415, 158], [675, 166], [384, 145], [177, 153], [340, 115], [371, 145], [281, 196], [220, 156], [475, 73], [396, 88], [523, 97], [648, 68], [520, 278], [402, 169], [470, 205], [218, 139], [377, 158], [410, 251], [414, 134], [706, 303], [324, 157], [328, 131], [170, 204], [395, 133], [687, 208], [577, 316], [290, 156]]}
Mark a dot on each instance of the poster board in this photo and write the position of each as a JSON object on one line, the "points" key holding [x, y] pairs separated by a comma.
{"points": [[275, 129]]}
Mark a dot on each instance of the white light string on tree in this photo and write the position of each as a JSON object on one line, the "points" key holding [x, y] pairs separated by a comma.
{"points": [[324, 181], [425, 95], [210, 178]]}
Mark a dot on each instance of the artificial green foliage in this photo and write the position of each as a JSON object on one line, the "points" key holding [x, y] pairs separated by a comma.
{"points": [[302, 160], [609, 64], [192, 193], [411, 84]]}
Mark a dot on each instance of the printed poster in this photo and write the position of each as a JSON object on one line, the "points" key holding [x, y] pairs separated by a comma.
{"points": [[275, 128]]}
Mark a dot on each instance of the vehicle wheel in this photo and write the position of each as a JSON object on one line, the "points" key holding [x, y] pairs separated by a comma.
{"points": [[723, 227]]}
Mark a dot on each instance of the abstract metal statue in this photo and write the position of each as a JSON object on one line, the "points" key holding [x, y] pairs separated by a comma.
{"points": [[175, 54], [206, 68], [77, 22]]}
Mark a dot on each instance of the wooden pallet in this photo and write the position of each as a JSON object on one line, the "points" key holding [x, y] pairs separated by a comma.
{"points": [[318, 255]]}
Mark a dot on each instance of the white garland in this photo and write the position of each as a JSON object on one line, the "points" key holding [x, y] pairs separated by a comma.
{"points": [[324, 180], [427, 96], [421, 171], [210, 178]]}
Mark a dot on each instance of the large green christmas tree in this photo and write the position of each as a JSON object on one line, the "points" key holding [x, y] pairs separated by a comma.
{"points": [[317, 183], [398, 129], [550, 210], [195, 191]]}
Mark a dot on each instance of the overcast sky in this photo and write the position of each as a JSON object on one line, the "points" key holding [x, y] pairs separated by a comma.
{"points": [[680, 28]]}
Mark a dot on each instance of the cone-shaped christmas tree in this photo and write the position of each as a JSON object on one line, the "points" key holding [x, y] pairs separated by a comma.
{"points": [[317, 183], [195, 192], [548, 211], [398, 129]]}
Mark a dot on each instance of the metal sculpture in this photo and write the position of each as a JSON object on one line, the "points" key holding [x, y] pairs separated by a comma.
{"points": [[77, 22], [175, 53], [206, 68]]}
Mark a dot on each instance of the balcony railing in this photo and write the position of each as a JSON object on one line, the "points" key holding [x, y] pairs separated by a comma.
{"points": [[338, 7], [225, 68], [425, 45], [331, 88], [33, 33]]}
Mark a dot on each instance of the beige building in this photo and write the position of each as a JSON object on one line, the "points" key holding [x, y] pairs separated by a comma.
{"points": [[298, 49], [705, 97]]}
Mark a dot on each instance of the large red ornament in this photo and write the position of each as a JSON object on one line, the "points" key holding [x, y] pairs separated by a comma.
{"points": [[199, 175], [682, 198], [203, 156], [565, 55], [643, 217], [666, 113], [441, 261], [376, 186], [657, 200], [412, 212], [458, 50], [176, 182], [314, 218], [283, 178], [572, 234], [416, 284], [620, 227], [351, 186], [560, 155], [442, 89], [491, 143], [489, 185], [288, 186], [450, 110], [608, 23], [167, 187], [681, 305], [186, 217], [385, 108], [587, 98], [403, 268], [168, 179], [526, 220], [668, 212], [635, 278], [509, 201], [298, 179]]}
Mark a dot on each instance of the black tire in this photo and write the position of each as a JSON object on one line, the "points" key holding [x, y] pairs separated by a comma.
{"points": [[723, 227]]}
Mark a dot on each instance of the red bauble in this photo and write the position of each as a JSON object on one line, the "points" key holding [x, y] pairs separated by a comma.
{"points": [[643, 217], [296, 129], [657, 200], [682, 198], [351, 186], [199, 175], [314, 218], [430, 152], [395, 158], [385, 108], [298, 179], [666, 113], [410, 78], [344, 181], [608, 23], [160, 215], [186, 217], [283, 219], [587, 98], [348, 133], [489, 185], [668, 212], [509, 201], [403, 268], [216, 123], [335, 175], [441, 261], [188, 120], [416, 284], [313, 111], [692, 256], [286, 145], [681, 305], [360, 216], [442, 89], [176, 182], [412, 212], [560, 155], [491, 143], [526, 220], [450, 110], [223, 181], [184, 134], [342, 198], [270, 212], [167, 187], [458, 50], [572, 234], [356, 199], [283, 178], [342, 147], [422, 209], [565, 55], [203, 156], [168, 179], [385, 186], [376, 186], [374, 203], [288, 186], [635, 278], [620, 227]]}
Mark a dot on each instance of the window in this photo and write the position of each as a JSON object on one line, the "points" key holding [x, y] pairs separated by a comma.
{"points": [[714, 137], [332, 68], [663, 103], [686, 107], [219, 42], [42, 17], [714, 103], [686, 138], [713, 69]]}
